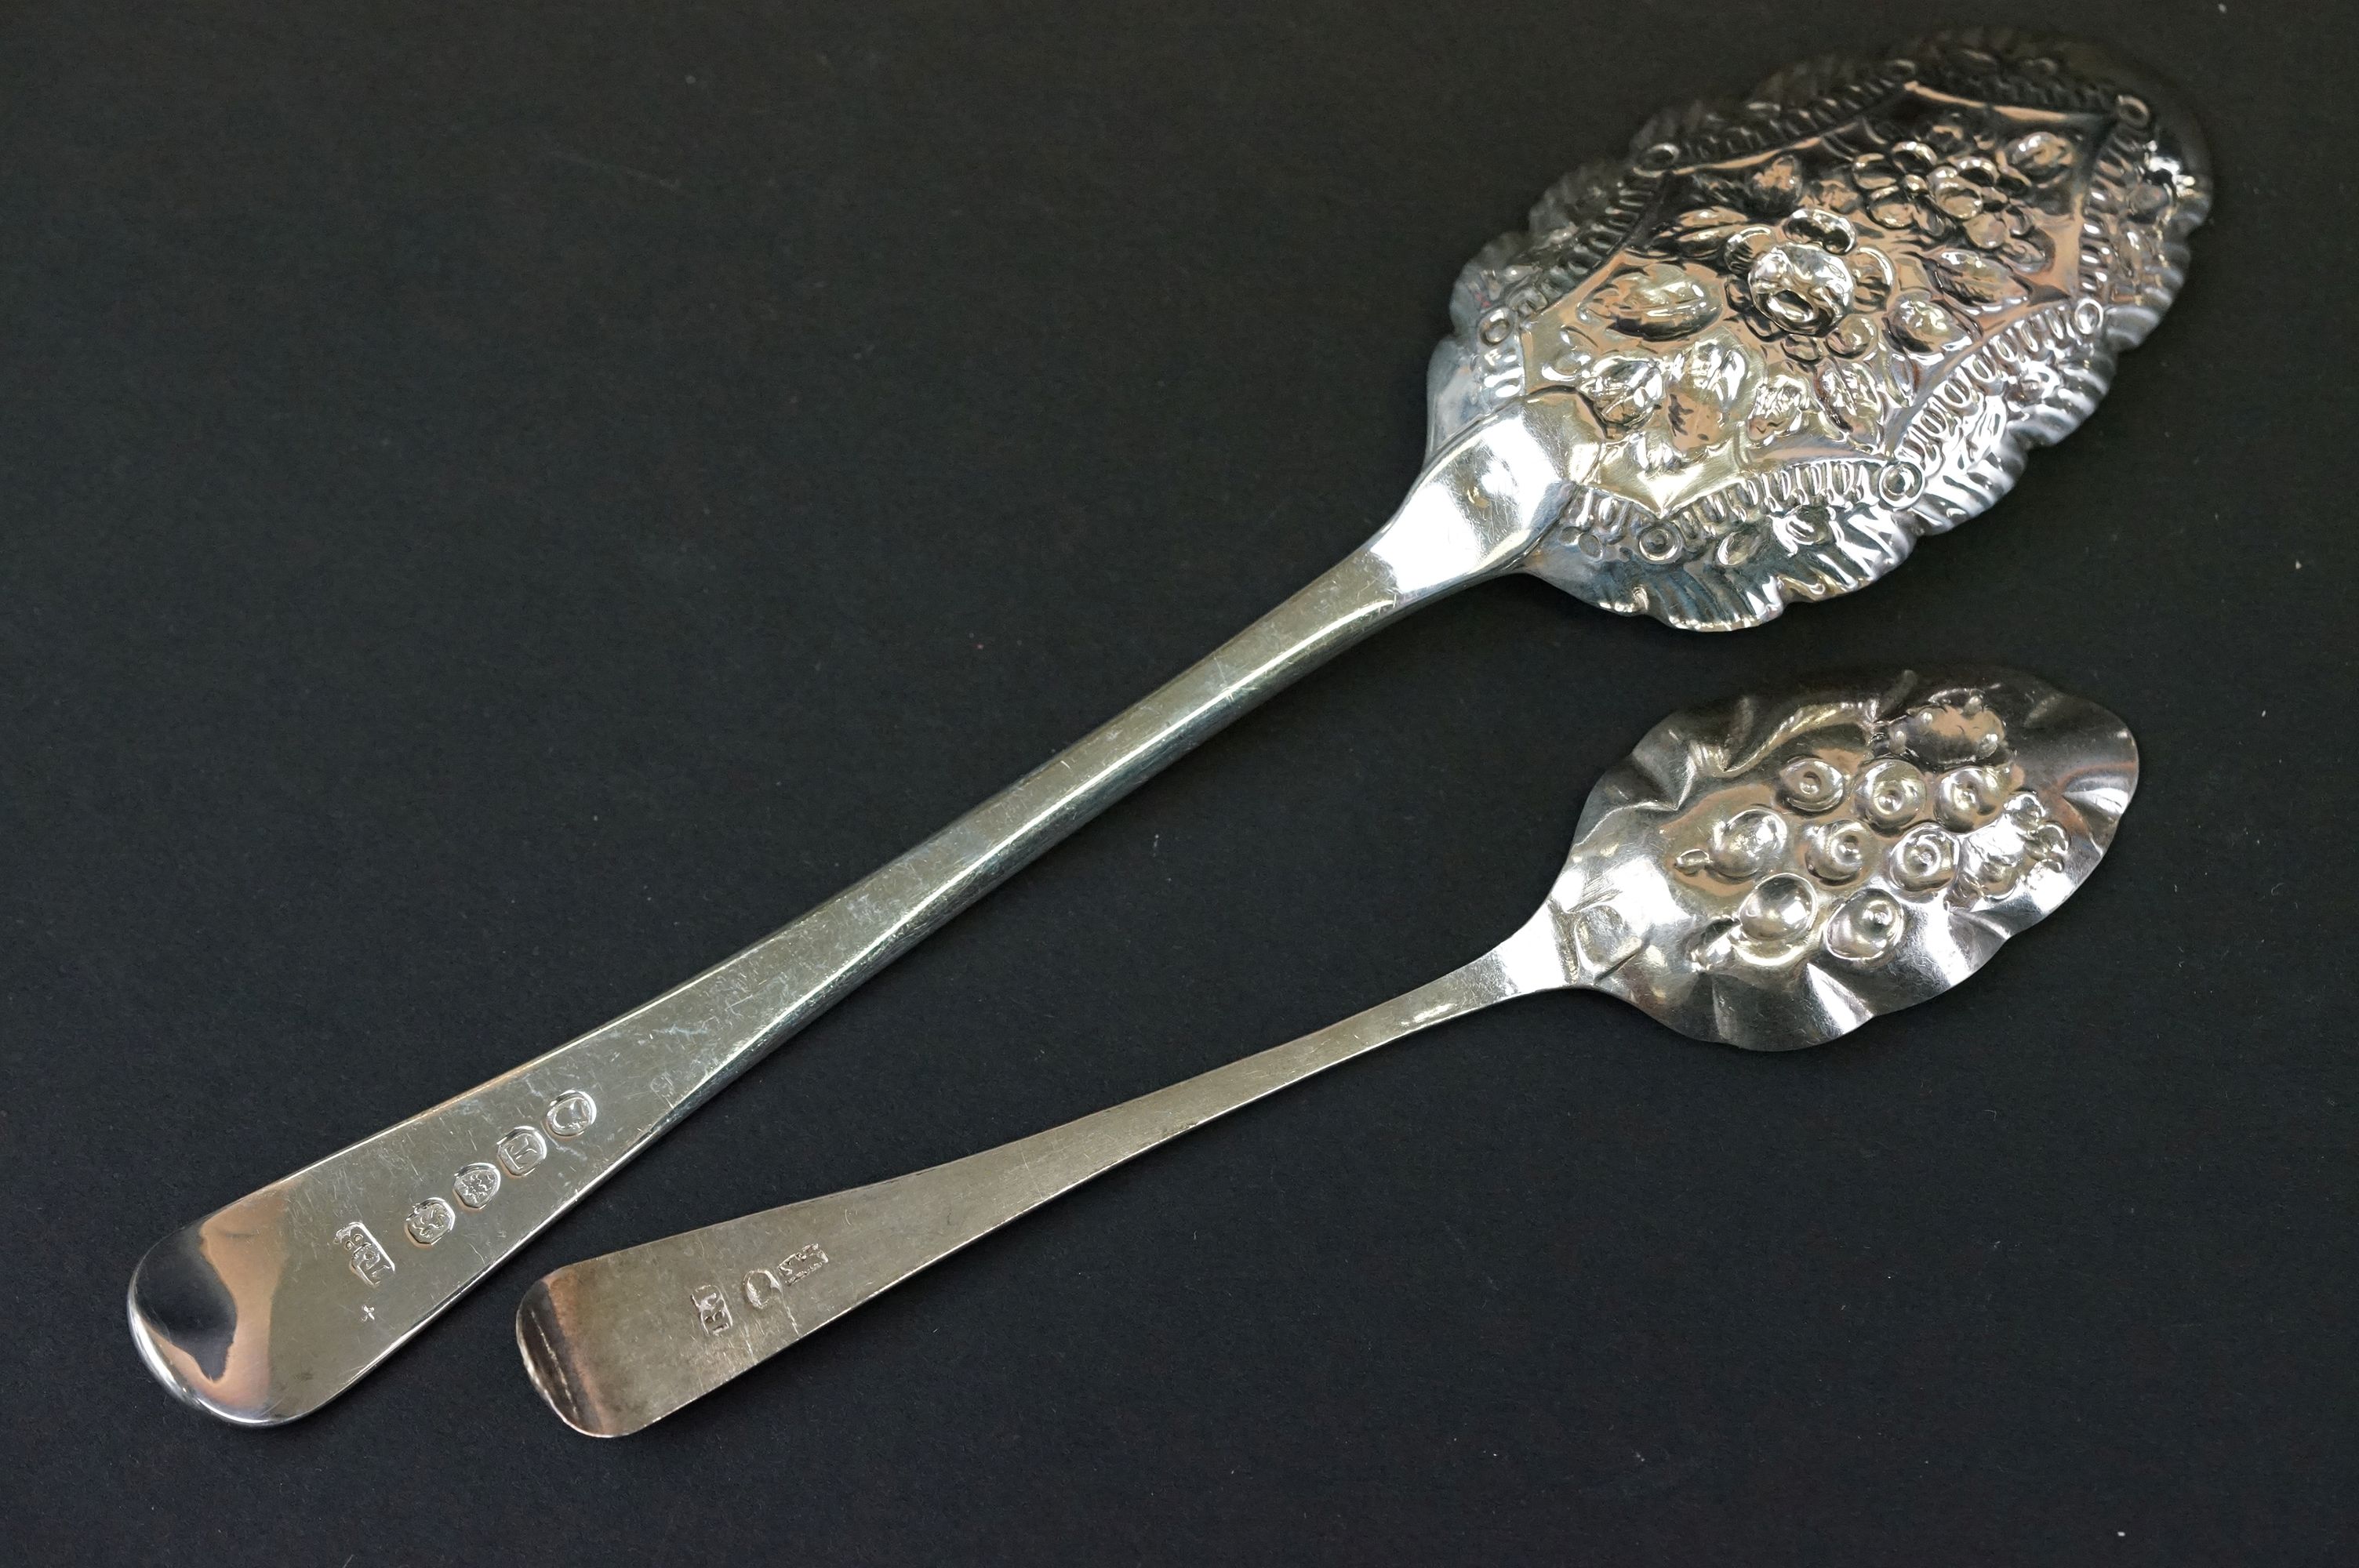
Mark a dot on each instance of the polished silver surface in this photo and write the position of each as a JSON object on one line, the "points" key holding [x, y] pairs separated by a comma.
{"points": [[1686, 467], [1771, 873]]}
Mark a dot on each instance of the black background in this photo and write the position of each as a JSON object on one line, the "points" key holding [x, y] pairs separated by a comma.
{"points": [[504, 504]]}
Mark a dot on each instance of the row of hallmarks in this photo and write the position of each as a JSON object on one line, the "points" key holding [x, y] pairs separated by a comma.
{"points": [[518, 1153], [763, 1288]]}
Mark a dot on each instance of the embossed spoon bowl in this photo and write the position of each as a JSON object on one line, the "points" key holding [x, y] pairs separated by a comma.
{"points": [[1770, 873], [1750, 362]]}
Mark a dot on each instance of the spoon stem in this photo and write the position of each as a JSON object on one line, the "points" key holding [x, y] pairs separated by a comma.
{"points": [[617, 1342]]}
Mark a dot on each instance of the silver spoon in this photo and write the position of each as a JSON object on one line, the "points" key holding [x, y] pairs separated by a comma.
{"points": [[1770, 873], [1753, 362]]}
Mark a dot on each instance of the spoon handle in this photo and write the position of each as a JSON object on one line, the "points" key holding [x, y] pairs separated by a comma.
{"points": [[617, 1342], [267, 1308]]}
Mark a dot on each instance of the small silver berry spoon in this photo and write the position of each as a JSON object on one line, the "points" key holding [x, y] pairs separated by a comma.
{"points": [[1771, 872]]}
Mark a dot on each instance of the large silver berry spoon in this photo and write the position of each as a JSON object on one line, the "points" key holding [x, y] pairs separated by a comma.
{"points": [[1752, 362], [1771, 873]]}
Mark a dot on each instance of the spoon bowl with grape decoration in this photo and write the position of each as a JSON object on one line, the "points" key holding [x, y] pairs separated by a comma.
{"points": [[1750, 361], [1771, 873]]}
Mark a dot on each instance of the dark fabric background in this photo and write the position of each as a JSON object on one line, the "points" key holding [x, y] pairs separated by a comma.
{"points": [[500, 505]]}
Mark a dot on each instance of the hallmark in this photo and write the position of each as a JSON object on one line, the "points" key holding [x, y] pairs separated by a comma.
{"points": [[570, 1115], [431, 1219], [712, 1309], [521, 1149], [765, 1286], [369, 1260], [476, 1185]]}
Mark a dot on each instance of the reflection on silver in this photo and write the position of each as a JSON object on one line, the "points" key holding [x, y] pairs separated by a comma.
{"points": [[1752, 362], [1779, 955]]}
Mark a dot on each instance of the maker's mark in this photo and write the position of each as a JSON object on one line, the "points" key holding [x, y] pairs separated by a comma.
{"points": [[370, 1262]]}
